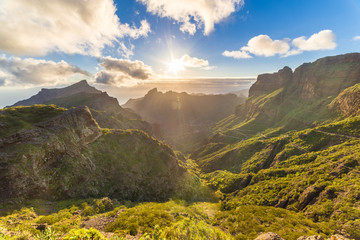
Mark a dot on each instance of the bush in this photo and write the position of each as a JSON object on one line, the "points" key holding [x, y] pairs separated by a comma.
{"points": [[189, 229], [84, 234], [48, 234]]}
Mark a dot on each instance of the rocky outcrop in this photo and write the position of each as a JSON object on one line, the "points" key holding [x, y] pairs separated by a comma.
{"points": [[315, 237], [269, 236], [267, 83], [69, 156], [309, 195], [325, 77], [289, 97], [274, 236], [348, 102], [29, 151]]}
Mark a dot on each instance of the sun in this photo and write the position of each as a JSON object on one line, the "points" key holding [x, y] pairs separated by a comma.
{"points": [[175, 66]]}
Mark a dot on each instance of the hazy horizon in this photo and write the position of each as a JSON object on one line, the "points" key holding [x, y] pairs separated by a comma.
{"points": [[9, 96], [126, 46]]}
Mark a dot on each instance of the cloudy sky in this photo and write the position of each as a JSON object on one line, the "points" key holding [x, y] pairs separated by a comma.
{"points": [[128, 46]]}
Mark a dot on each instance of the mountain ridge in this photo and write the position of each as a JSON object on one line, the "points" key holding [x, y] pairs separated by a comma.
{"points": [[185, 119], [106, 109]]}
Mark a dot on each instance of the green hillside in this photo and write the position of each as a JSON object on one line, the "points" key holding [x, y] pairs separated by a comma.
{"points": [[286, 161]]}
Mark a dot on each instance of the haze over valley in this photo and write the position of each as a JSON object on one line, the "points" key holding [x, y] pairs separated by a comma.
{"points": [[161, 120]]}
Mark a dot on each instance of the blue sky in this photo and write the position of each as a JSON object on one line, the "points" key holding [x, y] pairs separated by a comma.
{"points": [[124, 44]]}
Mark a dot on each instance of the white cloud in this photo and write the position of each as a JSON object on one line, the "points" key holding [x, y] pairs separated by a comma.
{"points": [[324, 40], [236, 54], [125, 51], [29, 71], [33, 27], [263, 45], [187, 62], [193, 62], [356, 38], [123, 72], [193, 14]]}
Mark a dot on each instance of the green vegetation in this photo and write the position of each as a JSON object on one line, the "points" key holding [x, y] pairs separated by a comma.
{"points": [[17, 118], [170, 220], [287, 161], [314, 172]]}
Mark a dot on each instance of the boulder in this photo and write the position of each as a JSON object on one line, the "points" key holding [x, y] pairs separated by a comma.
{"points": [[269, 236]]}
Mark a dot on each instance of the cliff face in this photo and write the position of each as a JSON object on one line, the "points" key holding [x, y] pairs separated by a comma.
{"points": [[267, 83], [70, 156], [348, 102], [301, 98], [325, 77]]}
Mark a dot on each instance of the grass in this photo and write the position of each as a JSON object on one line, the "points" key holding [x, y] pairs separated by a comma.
{"points": [[168, 220], [284, 169], [16, 118]]}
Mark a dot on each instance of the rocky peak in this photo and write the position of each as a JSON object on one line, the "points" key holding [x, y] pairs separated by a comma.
{"points": [[152, 92], [323, 78], [78, 119], [267, 83], [46, 95]]}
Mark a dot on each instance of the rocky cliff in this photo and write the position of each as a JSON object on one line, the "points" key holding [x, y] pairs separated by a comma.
{"points": [[299, 99], [347, 102], [70, 156]]}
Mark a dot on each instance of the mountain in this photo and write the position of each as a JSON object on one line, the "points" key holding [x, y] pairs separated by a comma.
{"points": [[54, 153], [46, 95], [185, 119], [284, 165], [293, 144], [105, 109]]}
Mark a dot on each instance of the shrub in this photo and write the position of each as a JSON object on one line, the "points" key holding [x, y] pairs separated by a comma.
{"points": [[48, 234], [84, 234]]}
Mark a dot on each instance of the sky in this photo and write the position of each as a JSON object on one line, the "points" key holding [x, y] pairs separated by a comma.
{"points": [[127, 47]]}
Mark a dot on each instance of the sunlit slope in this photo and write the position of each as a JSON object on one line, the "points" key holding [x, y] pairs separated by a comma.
{"points": [[48, 152], [185, 120]]}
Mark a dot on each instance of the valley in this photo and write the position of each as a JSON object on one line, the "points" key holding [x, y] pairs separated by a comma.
{"points": [[74, 164]]}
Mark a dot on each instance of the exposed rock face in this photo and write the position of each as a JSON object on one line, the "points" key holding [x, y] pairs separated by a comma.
{"points": [[302, 97], [309, 195], [267, 83], [69, 156], [78, 119], [315, 237], [348, 102], [337, 237], [269, 236], [26, 152], [325, 77]]}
